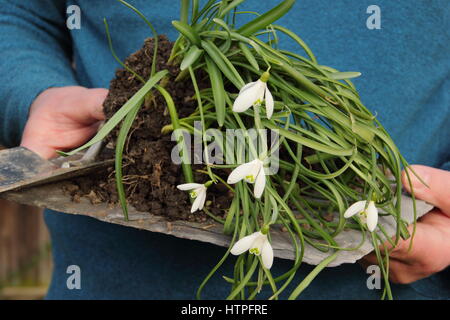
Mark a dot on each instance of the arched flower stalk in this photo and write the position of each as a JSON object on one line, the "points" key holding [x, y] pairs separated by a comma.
{"points": [[334, 151]]}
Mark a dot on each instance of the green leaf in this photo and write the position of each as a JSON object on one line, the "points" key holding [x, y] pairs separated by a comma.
{"points": [[227, 44], [187, 31], [121, 113], [303, 81], [155, 34], [184, 12], [195, 6], [121, 140], [218, 90], [185, 164], [248, 55], [229, 7], [267, 18], [310, 277], [297, 39], [223, 63], [191, 56], [308, 142], [344, 75], [234, 207], [113, 52], [203, 12]]}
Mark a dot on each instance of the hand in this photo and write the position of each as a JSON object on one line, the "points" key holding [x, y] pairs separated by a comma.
{"points": [[430, 251], [63, 119]]}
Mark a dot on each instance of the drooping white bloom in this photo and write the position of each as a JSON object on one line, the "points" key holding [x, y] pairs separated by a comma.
{"points": [[257, 244], [253, 94], [251, 172], [197, 192], [369, 216]]}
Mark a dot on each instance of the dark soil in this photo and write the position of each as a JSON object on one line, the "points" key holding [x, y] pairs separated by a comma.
{"points": [[149, 176]]}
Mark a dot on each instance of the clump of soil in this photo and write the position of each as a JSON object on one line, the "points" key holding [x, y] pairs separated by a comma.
{"points": [[150, 178]]}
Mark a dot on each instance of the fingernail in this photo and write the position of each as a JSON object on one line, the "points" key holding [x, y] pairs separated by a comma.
{"points": [[100, 108]]}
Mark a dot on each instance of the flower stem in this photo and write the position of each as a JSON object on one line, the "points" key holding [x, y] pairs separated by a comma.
{"points": [[184, 12], [202, 117], [186, 166], [310, 277]]}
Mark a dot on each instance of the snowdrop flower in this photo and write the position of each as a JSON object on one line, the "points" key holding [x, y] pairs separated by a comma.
{"points": [[253, 94], [369, 216], [251, 172], [257, 244], [197, 192]]}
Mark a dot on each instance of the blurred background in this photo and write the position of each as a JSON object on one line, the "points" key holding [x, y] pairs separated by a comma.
{"points": [[25, 252], [25, 258]]}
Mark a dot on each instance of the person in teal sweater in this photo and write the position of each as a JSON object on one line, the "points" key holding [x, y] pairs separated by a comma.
{"points": [[52, 89]]}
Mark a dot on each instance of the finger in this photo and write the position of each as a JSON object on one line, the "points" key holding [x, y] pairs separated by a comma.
{"points": [[89, 106], [402, 273], [399, 272], [76, 137], [369, 260], [46, 147], [438, 191], [97, 98], [428, 244], [401, 249], [44, 151]]}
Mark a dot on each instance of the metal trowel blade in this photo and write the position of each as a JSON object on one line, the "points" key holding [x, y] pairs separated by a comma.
{"points": [[20, 168]]}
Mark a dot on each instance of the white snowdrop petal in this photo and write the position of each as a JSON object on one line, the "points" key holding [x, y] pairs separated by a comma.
{"points": [[355, 208], [261, 90], [372, 216], [253, 174], [257, 246], [189, 186], [241, 172], [260, 183], [247, 86], [269, 103], [246, 98], [243, 244], [267, 255], [196, 204], [203, 199]]}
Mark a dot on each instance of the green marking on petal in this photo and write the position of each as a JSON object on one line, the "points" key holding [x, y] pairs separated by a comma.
{"points": [[258, 103], [250, 178], [193, 194], [254, 251]]}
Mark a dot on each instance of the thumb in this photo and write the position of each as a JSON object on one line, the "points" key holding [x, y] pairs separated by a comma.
{"points": [[438, 191], [88, 102], [94, 103]]}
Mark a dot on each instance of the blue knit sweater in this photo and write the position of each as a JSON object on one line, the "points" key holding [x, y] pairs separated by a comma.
{"points": [[405, 81]]}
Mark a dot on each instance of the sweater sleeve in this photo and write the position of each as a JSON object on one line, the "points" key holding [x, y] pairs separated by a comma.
{"points": [[446, 166], [35, 54]]}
